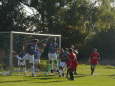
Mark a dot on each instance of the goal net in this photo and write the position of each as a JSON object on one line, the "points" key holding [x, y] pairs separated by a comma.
{"points": [[13, 44]]}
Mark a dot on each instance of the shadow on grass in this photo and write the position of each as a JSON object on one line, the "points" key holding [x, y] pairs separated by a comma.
{"points": [[13, 81], [109, 67], [55, 81], [81, 75], [43, 78], [111, 76]]}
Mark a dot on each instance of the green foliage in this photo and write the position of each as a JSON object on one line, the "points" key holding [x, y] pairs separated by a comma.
{"points": [[7, 14], [104, 42], [55, 16]]}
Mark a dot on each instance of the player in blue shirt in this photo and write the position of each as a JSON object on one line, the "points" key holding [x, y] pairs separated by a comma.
{"points": [[21, 61], [33, 55], [52, 55]]}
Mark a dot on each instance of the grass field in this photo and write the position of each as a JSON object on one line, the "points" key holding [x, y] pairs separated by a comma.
{"points": [[103, 76]]}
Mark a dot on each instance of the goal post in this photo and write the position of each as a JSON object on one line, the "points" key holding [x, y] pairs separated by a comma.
{"points": [[13, 42]]}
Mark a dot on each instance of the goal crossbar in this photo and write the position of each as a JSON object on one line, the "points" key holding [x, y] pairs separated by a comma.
{"points": [[26, 33]]}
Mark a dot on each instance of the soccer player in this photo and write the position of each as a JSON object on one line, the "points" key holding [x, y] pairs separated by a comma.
{"points": [[62, 63], [94, 59], [21, 61], [33, 55], [52, 55], [71, 64], [75, 50]]}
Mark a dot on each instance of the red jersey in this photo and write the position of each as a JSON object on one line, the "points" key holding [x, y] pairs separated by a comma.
{"points": [[94, 57], [72, 56], [71, 65], [72, 62]]}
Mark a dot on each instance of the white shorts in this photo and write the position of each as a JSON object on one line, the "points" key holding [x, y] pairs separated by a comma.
{"points": [[29, 57], [52, 56], [21, 63], [36, 61], [62, 64]]}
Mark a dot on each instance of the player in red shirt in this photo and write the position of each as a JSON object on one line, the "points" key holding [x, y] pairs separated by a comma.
{"points": [[94, 60], [71, 64]]}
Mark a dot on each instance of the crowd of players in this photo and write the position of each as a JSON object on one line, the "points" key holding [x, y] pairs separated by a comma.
{"points": [[60, 60]]}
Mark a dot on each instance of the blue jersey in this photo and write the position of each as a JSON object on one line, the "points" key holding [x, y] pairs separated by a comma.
{"points": [[32, 48], [37, 54], [21, 55], [52, 48]]}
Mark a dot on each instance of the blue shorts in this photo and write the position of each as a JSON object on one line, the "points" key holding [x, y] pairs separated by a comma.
{"points": [[93, 65]]}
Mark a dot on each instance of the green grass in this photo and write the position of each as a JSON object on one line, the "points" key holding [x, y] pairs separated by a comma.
{"points": [[103, 76]]}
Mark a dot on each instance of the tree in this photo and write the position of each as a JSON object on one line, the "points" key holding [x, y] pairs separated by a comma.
{"points": [[105, 16], [74, 19], [8, 14], [49, 11], [13, 17]]}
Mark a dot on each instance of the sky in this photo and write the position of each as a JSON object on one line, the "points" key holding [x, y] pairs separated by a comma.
{"points": [[29, 10]]}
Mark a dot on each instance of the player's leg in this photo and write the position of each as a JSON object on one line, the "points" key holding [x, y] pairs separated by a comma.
{"points": [[92, 68], [64, 68], [27, 59], [55, 62], [63, 65], [71, 74], [23, 65], [49, 66], [60, 71], [37, 66], [31, 64], [37, 55], [67, 73], [18, 65], [50, 58]]}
